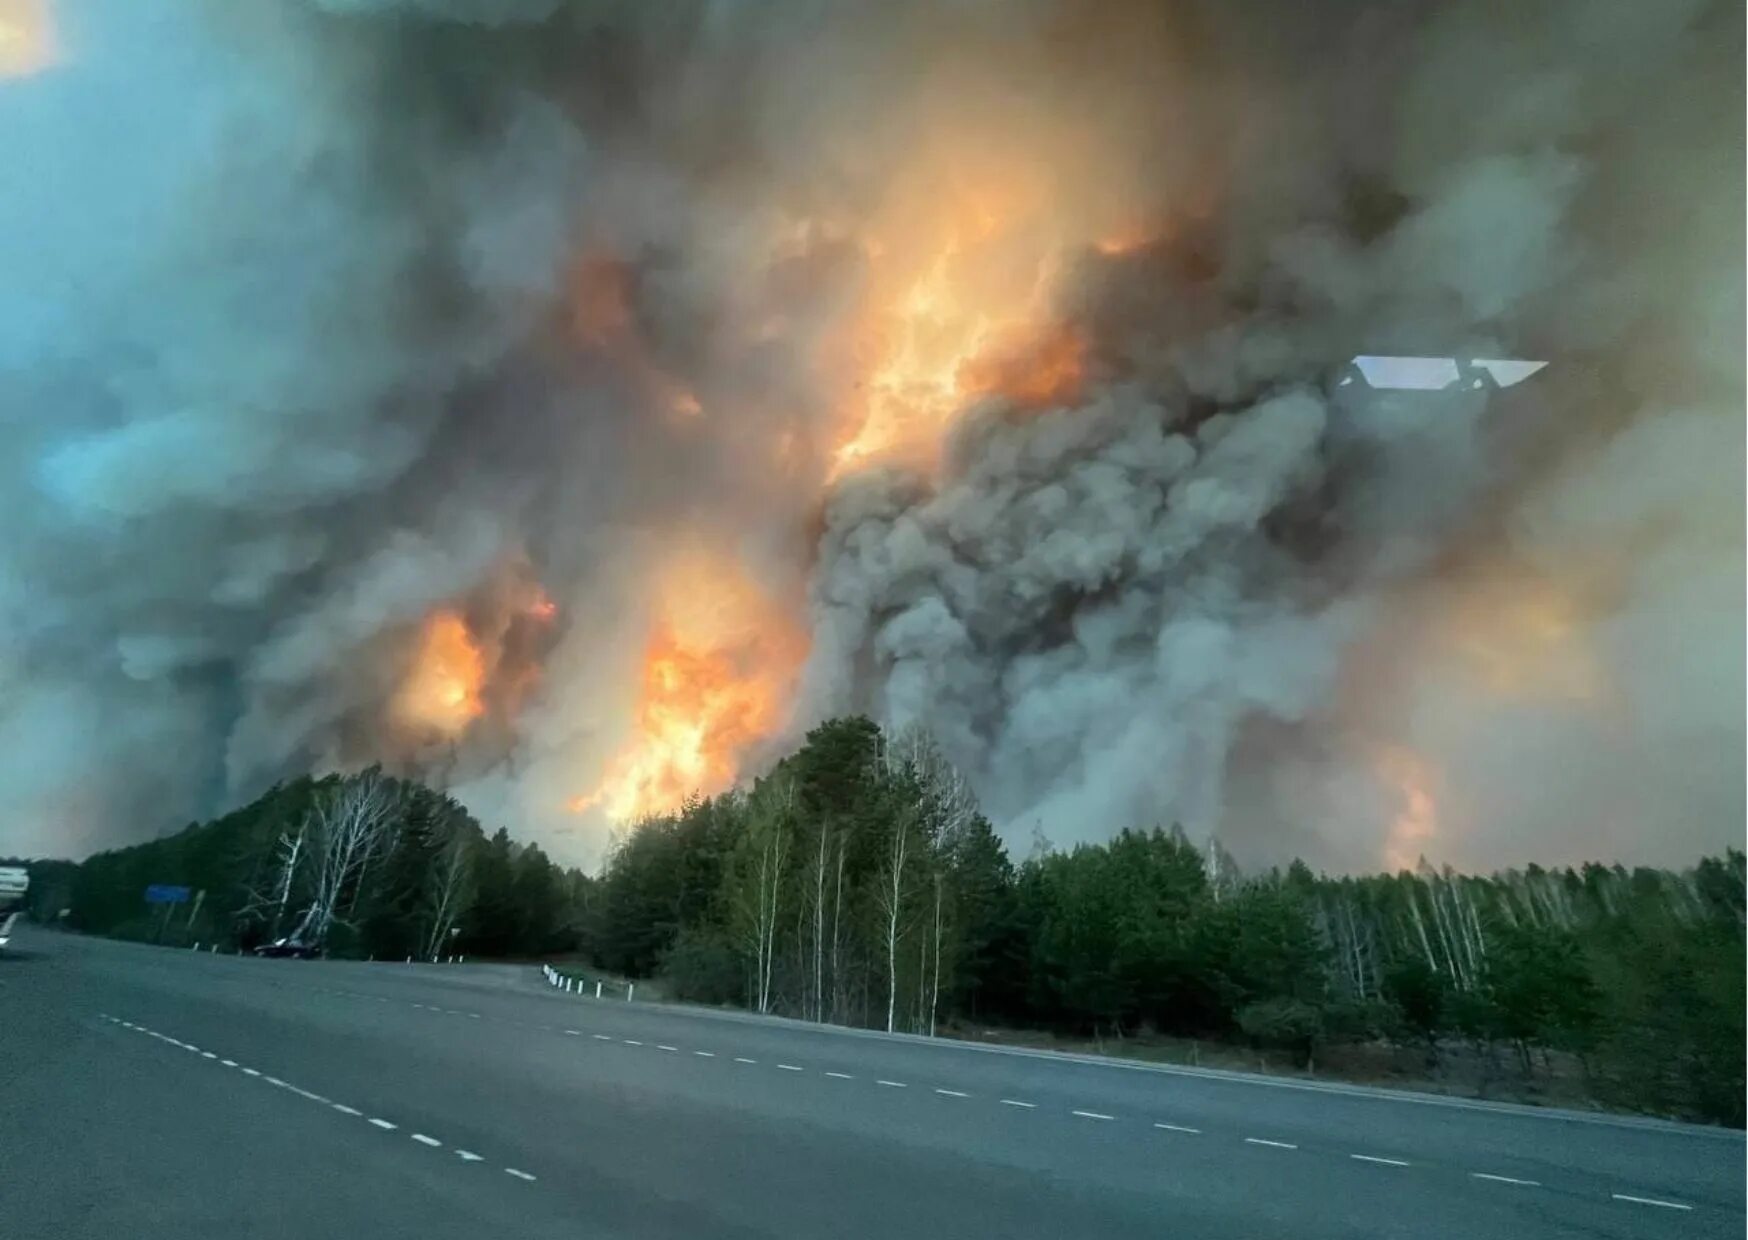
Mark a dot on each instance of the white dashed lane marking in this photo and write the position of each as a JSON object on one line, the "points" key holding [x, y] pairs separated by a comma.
{"points": [[890, 1084], [1650, 1201], [376, 1121]]}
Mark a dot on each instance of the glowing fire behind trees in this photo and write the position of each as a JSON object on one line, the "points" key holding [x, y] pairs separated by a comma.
{"points": [[961, 268], [717, 673], [442, 692], [1414, 822]]}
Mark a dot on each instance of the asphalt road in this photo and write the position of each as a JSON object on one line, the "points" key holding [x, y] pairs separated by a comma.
{"points": [[148, 1093]]}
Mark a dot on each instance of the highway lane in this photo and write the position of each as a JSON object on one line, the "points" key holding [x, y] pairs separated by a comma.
{"points": [[639, 1120]]}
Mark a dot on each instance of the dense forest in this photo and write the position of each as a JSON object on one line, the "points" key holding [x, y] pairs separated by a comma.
{"points": [[858, 883]]}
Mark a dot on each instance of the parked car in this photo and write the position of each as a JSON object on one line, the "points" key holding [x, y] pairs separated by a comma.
{"points": [[14, 883], [290, 948]]}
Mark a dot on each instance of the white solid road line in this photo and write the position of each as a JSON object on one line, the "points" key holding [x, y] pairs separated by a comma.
{"points": [[1015, 1102], [520, 1175], [1650, 1201], [893, 1084], [1094, 1115], [422, 1139], [1505, 1179], [1371, 1158], [952, 1093], [344, 1109], [1279, 1145], [1176, 1128], [383, 1124], [468, 1156]]}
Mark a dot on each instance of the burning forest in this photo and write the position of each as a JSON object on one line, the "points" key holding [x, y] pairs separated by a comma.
{"points": [[569, 405]]}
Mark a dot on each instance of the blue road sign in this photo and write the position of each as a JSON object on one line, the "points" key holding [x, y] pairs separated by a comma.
{"points": [[160, 893]]}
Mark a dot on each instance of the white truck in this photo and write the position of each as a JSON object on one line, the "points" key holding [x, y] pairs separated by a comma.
{"points": [[14, 882]]}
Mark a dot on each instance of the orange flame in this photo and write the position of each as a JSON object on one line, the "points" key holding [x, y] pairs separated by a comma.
{"points": [[442, 692], [542, 607], [1524, 635], [716, 675], [27, 40], [953, 301], [1045, 369], [961, 273], [1415, 824]]}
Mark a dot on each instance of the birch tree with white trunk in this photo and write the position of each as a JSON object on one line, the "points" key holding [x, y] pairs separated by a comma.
{"points": [[757, 878], [891, 898], [450, 891], [346, 826]]}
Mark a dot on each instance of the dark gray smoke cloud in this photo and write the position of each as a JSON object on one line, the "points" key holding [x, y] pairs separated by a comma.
{"points": [[321, 314]]}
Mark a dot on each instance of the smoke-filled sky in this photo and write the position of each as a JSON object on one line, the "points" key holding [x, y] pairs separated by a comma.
{"points": [[572, 402]]}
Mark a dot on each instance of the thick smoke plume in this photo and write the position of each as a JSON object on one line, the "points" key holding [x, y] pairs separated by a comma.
{"points": [[566, 401]]}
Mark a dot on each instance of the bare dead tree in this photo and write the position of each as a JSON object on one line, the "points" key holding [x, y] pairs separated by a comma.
{"points": [[269, 900], [450, 890], [346, 824]]}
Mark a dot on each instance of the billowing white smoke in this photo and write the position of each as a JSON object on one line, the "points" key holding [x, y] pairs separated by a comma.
{"points": [[290, 357]]}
